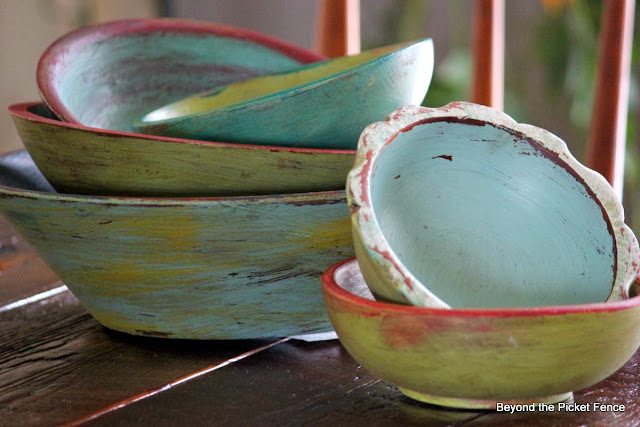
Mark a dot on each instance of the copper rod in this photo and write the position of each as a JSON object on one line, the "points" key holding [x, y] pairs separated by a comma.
{"points": [[606, 145], [488, 53], [338, 29]]}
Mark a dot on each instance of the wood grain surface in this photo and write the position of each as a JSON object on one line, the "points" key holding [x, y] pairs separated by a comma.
{"points": [[57, 363]]}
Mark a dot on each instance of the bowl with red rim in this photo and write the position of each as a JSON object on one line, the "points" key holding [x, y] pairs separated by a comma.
{"points": [[463, 207], [475, 358], [110, 74], [78, 159]]}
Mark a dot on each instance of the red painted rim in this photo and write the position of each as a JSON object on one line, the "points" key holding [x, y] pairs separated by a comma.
{"points": [[49, 59], [22, 110], [332, 289]]}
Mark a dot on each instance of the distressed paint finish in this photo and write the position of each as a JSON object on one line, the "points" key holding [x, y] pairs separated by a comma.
{"points": [[258, 87], [225, 268], [139, 165], [109, 75], [473, 358], [329, 112], [461, 206]]}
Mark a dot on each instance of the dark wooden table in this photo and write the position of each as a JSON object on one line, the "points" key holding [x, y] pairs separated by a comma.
{"points": [[59, 366]]}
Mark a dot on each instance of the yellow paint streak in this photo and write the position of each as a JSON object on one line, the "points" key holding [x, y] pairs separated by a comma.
{"points": [[332, 235], [176, 232]]}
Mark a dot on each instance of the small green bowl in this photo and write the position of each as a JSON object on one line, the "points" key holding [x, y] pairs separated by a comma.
{"points": [[468, 358]]}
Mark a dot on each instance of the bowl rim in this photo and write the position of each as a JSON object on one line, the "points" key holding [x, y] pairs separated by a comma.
{"points": [[22, 110], [398, 48], [298, 199], [331, 287], [377, 136], [50, 58]]}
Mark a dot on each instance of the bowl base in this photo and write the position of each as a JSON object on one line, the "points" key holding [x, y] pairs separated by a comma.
{"points": [[456, 402]]}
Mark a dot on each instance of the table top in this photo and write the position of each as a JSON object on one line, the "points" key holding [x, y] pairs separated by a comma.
{"points": [[58, 366]]}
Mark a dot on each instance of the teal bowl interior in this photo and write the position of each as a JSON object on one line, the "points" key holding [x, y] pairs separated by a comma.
{"points": [[109, 75], [486, 217]]}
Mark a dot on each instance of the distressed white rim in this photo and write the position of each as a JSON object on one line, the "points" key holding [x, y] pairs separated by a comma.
{"points": [[366, 227]]}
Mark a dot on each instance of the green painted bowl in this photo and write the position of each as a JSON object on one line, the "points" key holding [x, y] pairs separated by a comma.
{"points": [[322, 105], [80, 160], [463, 207], [200, 268], [476, 358], [109, 75]]}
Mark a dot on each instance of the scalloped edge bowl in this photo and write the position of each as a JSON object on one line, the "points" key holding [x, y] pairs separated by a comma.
{"points": [[386, 272]]}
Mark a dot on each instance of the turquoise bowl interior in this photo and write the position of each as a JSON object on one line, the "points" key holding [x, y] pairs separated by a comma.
{"points": [[109, 75], [463, 207], [489, 218]]}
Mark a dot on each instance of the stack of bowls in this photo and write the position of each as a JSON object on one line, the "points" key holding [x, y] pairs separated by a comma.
{"points": [[172, 235], [491, 265]]}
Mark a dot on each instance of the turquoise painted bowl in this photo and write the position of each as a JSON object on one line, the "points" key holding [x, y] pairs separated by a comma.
{"points": [[109, 75], [322, 105], [198, 268], [80, 160], [475, 358], [463, 207]]}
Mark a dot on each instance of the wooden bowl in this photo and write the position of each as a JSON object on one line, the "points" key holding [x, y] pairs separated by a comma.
{"points": [[324, 105], [201, 268], [109, 75], [475, 358], [81, 160], [461, 206]]}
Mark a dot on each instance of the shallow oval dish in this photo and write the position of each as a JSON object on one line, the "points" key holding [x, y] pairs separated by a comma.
{"points": [[201, 268], [81, 160], [475, 358], [108, 75], [461, 206], [322, 105]]}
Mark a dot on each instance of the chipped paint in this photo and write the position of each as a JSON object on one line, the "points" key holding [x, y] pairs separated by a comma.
{"points": [[618, 243]]}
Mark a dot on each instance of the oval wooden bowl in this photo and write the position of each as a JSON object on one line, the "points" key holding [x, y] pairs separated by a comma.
{"points": [[324, 105], [109, 75], [475, 358], [463, 207], [201, 268], [81, 160]]}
